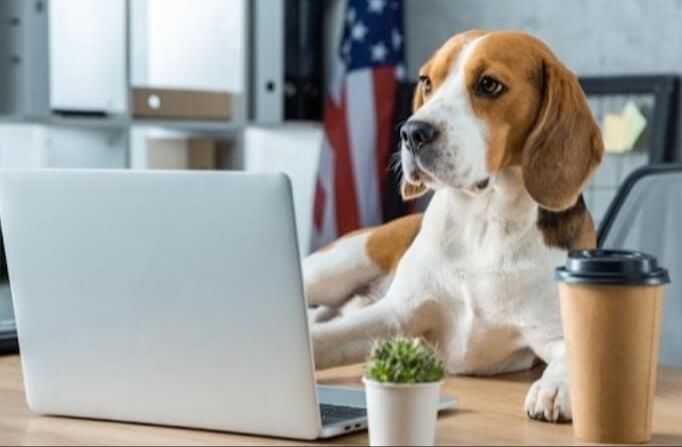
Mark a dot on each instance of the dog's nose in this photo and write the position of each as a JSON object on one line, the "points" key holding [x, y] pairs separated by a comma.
{"points": [[417, 134]]}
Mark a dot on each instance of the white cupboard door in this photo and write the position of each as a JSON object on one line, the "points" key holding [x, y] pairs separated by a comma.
{"points": [[88, 55]]}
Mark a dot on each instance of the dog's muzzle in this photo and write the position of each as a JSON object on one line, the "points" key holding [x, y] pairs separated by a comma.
{"points": [[417, 134]]}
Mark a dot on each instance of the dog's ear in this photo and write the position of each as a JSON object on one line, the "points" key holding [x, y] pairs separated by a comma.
{"points": [[565, 145], [411, 191]]}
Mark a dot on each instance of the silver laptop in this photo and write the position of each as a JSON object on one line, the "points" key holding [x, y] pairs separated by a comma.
{"points": [[170, 298]]}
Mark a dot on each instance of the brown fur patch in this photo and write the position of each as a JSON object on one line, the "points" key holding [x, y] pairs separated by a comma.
{"points": [[333, 243], [388, 243], [565, 146], [541, 122], [436, 69], [513, 60], [438, 66], [571, 229], [410, 191]]}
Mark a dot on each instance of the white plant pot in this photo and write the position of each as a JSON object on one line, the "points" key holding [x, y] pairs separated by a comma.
{"points": [[402, 414]]}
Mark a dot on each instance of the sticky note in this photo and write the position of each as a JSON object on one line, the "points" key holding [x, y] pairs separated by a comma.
{"points": [[622, 130], [614, 132], [635, 124]]}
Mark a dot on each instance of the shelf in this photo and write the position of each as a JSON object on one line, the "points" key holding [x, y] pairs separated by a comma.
{"points": [[120, 122], [204, 126], [88, 122], [12, 119]]}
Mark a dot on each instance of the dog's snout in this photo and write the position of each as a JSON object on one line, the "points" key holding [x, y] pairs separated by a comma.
{"points": [[417, 134]]}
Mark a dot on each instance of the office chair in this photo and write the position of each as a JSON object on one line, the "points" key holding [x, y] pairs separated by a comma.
{"points": [[646, 215]]}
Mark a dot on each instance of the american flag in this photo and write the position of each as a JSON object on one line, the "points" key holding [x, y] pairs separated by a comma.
{"points": [[358, 120]]}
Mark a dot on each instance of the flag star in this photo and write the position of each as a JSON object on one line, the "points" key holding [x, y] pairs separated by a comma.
{"points": [[400, 72], [397, 39], [376, 6], [359, 31], [351, 16], [379, 52], [346, 47]]}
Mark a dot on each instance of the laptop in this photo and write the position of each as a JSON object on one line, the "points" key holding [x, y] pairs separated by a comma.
{"points": [[169, 298]]}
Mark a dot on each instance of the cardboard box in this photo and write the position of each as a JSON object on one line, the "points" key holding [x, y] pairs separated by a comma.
{"points": [[177, 153], [181, 104]]}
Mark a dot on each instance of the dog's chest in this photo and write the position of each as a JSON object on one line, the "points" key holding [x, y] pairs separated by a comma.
{"points": [[487, 308], [494, 288], [495, 281]]}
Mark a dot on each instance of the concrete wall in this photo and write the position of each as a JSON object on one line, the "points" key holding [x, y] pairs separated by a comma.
{"points": [[590, 36]]}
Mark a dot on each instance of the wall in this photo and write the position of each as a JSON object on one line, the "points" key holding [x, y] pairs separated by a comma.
{"points": [[590, 36]]}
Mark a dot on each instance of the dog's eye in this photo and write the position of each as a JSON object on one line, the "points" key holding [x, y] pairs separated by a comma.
{"points": [[489, 87], [425, 82]]}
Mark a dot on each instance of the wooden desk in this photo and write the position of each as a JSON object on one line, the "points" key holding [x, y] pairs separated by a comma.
{"points": [[490, 413]]}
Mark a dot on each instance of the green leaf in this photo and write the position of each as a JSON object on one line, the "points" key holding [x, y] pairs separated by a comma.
{"points": [[404, 360]]}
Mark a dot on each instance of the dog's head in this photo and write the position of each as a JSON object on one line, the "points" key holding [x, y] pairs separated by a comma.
{"points": [[486, 101]]}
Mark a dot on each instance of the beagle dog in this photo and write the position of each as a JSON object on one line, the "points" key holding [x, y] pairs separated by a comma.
{"points": [[503, 135]]}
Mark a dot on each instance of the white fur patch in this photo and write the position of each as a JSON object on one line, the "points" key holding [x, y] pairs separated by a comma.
{"points": [[459, 155], [331, 276]]}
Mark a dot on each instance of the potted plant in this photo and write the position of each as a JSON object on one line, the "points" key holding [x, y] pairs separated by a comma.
{"points": [[402, 380]]}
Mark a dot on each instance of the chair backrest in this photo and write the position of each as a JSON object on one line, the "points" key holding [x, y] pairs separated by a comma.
{"points": [[646, 215]]}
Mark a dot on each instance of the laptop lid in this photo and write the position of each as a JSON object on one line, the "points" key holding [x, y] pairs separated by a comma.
{"points": [[161, 297]]}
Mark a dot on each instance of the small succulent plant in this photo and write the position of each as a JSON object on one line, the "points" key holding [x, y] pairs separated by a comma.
{"points": [[404, 360]]}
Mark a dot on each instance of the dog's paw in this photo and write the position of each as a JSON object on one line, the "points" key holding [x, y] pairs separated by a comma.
{"points": [[548, 400]]}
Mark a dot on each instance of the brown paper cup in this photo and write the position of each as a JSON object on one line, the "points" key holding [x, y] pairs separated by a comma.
{"points": [[612, 335], [611, 313]]}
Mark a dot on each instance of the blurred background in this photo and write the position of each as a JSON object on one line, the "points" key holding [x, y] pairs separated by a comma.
{"points": [[314, 88]]}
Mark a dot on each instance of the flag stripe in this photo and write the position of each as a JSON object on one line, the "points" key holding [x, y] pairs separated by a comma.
{"points": [[358, 125], [385, 86], [327, 230], [318, 205], [344, 186], [361, 118]]}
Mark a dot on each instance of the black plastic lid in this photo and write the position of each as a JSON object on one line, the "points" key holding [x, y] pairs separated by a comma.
{"points": [[611, 267]]}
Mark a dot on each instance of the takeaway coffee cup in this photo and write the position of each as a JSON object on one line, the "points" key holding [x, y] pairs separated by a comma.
{"points": [[611, 304]]}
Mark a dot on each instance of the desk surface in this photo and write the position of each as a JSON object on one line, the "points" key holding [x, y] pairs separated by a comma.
{"points": [[490, 413]]}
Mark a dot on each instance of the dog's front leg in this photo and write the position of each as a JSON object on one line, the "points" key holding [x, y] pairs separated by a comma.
{"points": [[548, 398], [349, 339]]}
